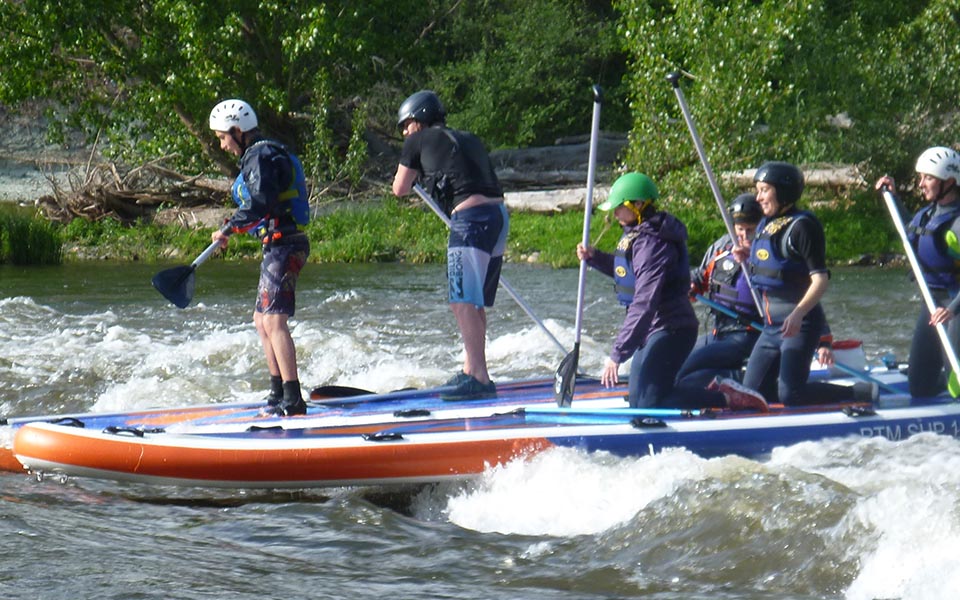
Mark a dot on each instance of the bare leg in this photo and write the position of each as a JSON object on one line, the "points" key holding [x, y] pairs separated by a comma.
{"points": [[473, 328], [277, 345]]}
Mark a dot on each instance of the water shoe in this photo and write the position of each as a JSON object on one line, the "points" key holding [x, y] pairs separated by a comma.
{"points": [[468, 389], [738, 396]]}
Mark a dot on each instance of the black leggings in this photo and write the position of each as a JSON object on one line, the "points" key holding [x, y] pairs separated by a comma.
{"points": [[929, 367]]}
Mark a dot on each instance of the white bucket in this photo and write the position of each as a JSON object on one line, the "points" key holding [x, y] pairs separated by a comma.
{"points": [[849, 353]]}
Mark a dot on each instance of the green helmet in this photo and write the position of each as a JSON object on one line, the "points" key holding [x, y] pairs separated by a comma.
{"points": [[631, 187]]}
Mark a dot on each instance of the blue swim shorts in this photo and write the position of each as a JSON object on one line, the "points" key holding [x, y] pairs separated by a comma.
{"points": [[478, 238]]}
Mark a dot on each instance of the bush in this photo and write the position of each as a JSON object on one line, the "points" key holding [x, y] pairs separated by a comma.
{"points": [[28, 240], [522, 70]]}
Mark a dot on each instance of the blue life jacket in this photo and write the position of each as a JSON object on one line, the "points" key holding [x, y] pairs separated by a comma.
{"points": [[771, 269], [624, 279], [927, 236], [293, 212]]}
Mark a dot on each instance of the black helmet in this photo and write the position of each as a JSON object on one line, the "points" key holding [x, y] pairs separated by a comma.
{"points": [[785, 177], [746, 209], [423, 106]]}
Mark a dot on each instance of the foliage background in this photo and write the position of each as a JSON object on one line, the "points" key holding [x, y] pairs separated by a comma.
{"points": [[864, 82], [767, 79], [323, 76]]}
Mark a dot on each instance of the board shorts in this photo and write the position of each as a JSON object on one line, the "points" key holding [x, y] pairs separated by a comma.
{"points": [[279, 271], [478, 238]]}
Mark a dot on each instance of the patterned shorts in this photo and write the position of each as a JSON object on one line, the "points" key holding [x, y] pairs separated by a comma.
{"points": [[279, 271]]}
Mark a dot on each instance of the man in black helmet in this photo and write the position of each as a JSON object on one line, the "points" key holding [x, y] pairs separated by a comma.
{"points": [[787, 265], [455, 168]]}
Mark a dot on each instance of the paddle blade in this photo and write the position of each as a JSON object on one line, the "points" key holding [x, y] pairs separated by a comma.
{"points": [[953, 385], [566, 378], [337, 391], [176, 285]]}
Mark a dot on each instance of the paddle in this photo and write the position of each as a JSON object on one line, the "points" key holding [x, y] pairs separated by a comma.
{"points": [[845, 368], [566, 376], [503, 282], [953, 384], [337, 391], [674, 79], [176, 284]]}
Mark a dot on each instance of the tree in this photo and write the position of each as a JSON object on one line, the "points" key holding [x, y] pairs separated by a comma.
{"points": [[868, 82], [525, 73], [143, 75]]}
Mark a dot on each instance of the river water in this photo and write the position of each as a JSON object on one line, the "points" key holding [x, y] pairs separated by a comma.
{"points": [[855, 519]]}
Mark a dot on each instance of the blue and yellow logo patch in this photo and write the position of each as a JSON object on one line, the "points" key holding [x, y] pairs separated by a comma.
{"points": [[620, 272], [762, 254]]}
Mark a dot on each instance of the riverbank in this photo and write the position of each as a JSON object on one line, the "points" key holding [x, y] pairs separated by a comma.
{"points": [[545, 224], [394, 230]]}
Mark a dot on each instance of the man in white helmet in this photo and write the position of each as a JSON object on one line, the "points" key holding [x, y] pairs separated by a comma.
{"points": [[934, 233], [273, 205]]}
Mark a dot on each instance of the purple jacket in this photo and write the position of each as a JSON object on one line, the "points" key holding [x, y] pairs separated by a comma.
{"points": [[661, 293]]}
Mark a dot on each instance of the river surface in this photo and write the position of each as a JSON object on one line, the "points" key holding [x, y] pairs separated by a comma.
{"points": [[854, 519]]}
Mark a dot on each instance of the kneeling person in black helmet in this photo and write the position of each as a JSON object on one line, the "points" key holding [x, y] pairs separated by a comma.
{"points": [[722, 352], [455, 168], [719, 278], [787, 265]]}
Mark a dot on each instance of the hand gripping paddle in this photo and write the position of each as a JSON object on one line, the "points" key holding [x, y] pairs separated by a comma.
{"points": [[566, 377]]}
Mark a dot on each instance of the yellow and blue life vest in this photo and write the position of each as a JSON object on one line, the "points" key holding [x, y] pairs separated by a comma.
{"points": [[292, 210]]}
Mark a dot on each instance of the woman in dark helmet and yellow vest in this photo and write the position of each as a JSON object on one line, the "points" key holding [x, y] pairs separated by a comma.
{"points": [[651, 274], [787, 265]]}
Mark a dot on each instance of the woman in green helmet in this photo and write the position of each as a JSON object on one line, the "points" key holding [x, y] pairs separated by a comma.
{"points": [[651, 273]]}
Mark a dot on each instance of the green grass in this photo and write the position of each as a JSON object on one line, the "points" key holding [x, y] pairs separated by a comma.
{"points": [[385, 231], [398, 231], [26, 239]]}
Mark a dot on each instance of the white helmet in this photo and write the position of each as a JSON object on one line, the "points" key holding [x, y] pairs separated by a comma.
{"points": [[233, 113], [941, 162]]}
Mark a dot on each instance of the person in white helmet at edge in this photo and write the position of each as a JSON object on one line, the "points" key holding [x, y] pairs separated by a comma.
{"points": [[934, 233], [273, 205]]}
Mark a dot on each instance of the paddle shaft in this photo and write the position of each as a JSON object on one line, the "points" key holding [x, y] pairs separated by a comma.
{"points": [[565, 381], [205, 254], [588, 206], [727, 311], [503, 282], [674, 79], [891, 203]]}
